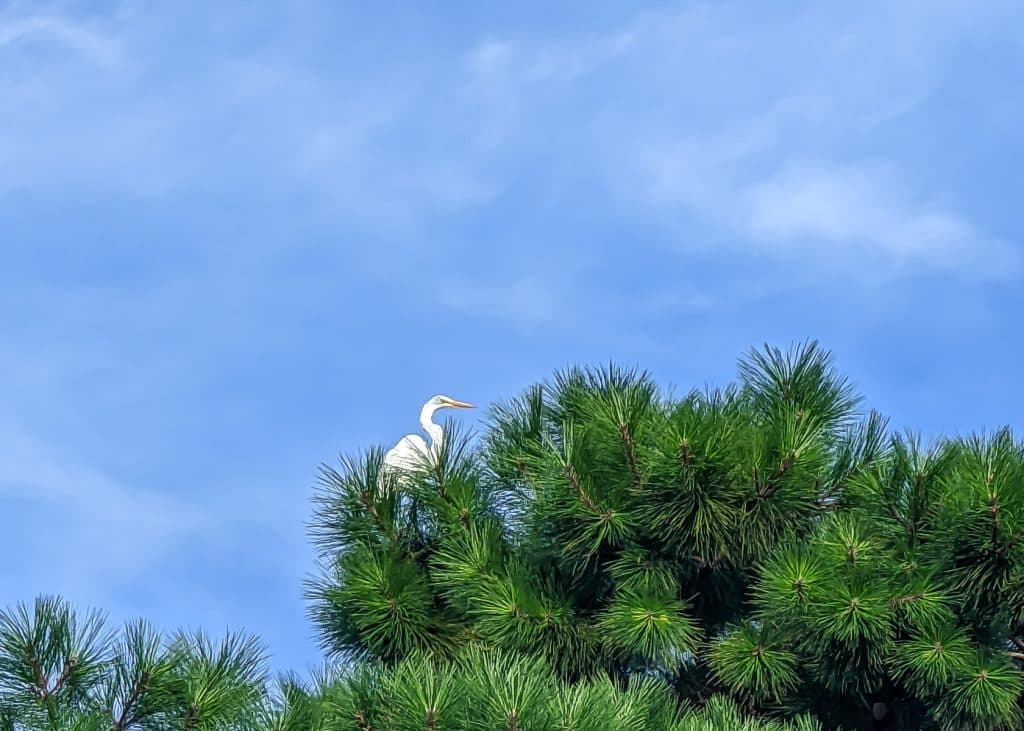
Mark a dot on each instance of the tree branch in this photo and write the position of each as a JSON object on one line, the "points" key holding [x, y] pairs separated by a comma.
{"points": [[684, 454], [69, 667], [191, 719], [42, 687], [574, 480], [371, 509], [772, 485], [439, 475], [125, 718], [908, 599], [42, 682], [630, 447], [899, 518], [993, 511]]}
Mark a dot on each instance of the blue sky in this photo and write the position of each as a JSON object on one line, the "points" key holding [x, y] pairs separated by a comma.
{"points": [[239, 238]]}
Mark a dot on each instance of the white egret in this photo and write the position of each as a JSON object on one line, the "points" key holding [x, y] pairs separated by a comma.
{"points": [[412, 449]]}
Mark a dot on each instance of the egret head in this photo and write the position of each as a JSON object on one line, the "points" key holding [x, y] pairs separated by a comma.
{"points": [[444, 402]]}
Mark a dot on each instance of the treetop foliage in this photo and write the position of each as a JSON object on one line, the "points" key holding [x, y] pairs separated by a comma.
{"points": [[765, 555]]}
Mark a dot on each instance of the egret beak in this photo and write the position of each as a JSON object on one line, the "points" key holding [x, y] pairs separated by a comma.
{"points": [[458, 404]]}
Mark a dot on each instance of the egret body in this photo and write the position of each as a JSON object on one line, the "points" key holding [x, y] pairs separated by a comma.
{"points": [[412, 449]]}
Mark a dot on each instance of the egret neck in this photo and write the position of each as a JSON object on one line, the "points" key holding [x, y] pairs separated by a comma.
{"points": [[433, 430]]}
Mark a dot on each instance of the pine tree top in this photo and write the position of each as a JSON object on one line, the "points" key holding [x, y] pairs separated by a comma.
{"points": [[607, 555]]}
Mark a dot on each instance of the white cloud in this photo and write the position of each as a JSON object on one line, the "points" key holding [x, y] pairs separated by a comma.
{"points": [[767, 160], [526, 301], [88, 533], [231, 118], [507, 61], [82, 39], [490, 57], [863, 212], [706, 115], [77, 530], [871, 215], [766, 129]]}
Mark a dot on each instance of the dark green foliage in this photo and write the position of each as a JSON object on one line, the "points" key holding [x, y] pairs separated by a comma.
{"points": [[759, 556], [59, 672], [485, 690], [765, 541]]}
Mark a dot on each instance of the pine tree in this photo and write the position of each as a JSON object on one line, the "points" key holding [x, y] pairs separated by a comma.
{"points": [[64, 671], [763, 557], [766, 545]]}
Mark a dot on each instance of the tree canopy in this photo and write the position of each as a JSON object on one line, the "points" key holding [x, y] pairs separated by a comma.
{"points": [[609, 555]]}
